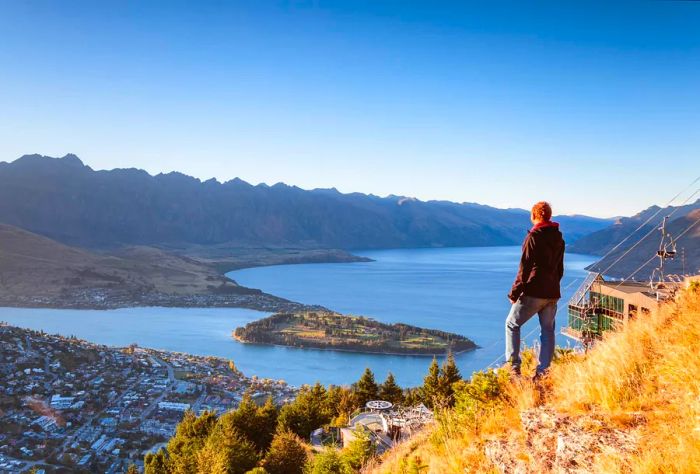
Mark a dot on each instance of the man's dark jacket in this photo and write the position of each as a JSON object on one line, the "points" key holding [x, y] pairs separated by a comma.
{"points": [[542, 263]]}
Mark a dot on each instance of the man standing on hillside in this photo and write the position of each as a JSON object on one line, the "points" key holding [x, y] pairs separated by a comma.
{"points": [[536, 287]]}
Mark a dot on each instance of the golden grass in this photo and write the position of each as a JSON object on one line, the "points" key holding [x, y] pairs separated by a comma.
{"points": [[648, 374], [645, 378]]}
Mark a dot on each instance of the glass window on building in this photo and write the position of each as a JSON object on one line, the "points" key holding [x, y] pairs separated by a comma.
{"points": [[608, 323], [579, 321], [575, 318], [608, 302]]}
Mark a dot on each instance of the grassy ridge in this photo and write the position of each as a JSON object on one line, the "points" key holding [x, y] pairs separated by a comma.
{"points": [[632, 404]]}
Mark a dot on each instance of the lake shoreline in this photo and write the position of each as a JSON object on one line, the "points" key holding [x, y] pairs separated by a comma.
{"points": [[190, 278], [263, 303], [454, 290]]}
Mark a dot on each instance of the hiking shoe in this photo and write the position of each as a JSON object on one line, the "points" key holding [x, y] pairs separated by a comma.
{"points": [[538, 377]]}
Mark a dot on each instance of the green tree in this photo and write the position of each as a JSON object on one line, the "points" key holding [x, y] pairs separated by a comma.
{"points": [[360, 450], [226, 451], [366, 388], [413, 396], [328, 461], [390, 391], [287, 454], [244, 417], [267, 424], [156, 463], [431, 385], [448, 377], [308, 411], [255, 423], [341, 402], [485, 391], [191, 434]]}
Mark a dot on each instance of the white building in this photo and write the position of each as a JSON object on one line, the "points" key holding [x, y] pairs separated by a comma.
{"points": [[61, 403], [174, 406]]}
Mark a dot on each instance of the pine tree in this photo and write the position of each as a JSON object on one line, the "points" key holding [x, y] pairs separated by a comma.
{"points": [[308, 411], [360, 450], [243, 418], [431, 385], [448, 377], [190, 436], [156, 463], [390, 390], [328, 461], [287, 454], [413, 396], [226, 451], [267, 424], [341, 401], [366, 388], [257, 424]]}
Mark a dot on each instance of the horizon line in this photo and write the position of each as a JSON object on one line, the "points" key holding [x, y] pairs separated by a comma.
{"points": [[390, 195]]}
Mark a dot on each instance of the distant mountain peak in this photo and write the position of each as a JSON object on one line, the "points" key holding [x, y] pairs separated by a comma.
{"points": [[332, 190], [68, 201], [31, 156], [404, 200], [281, 185], [72, 159], [176, 176], [36, 159]]}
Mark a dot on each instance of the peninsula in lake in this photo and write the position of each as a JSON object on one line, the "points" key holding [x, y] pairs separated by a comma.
{"points": [[36, 271], [333, 331]]}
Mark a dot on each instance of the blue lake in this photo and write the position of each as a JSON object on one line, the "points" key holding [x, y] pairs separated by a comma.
{"points": [[461, 290]]}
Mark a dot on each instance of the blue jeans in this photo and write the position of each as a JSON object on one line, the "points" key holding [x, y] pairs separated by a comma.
{"points": [[521, 311]]}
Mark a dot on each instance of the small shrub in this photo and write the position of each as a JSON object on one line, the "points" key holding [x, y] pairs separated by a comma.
{"points": [[328, 461], [414, 465], [360, 450], [563, 355], [485, 390]]}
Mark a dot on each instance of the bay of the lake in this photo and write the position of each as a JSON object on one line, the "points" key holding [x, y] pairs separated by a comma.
{"points": [[461, 290]]}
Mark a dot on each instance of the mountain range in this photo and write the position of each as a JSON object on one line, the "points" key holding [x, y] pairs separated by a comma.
{"points": [[66, 200], [170, 237], [646, 242]]}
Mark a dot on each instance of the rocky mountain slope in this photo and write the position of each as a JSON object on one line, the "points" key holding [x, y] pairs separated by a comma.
{"points": [[631, 404], [688, 246], [63, 199]]}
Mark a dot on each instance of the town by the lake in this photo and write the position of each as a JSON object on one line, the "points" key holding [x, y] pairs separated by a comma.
{"points": [[68, 404]]}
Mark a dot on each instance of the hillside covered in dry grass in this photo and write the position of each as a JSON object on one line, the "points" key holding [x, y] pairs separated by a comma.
{"points": [[38, 271], [632, 404]]}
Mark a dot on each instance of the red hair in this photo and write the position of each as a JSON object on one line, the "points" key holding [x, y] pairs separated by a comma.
{"points": [[542, 211]]}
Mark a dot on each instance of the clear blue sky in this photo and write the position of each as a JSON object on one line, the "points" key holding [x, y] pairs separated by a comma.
{"points": [[591, 106]]}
